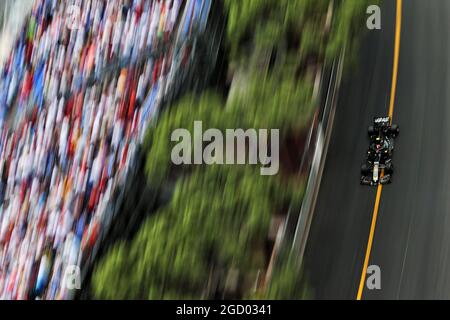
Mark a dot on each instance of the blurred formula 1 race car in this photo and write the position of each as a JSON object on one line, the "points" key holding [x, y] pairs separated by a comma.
{"points": [[378, 168]]}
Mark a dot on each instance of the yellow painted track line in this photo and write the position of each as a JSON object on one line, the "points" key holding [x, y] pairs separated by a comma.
{"points": [[370, 242], [398, 28]]}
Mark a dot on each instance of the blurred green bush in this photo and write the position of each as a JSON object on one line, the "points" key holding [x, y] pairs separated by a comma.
{"points": [[219, 217]]}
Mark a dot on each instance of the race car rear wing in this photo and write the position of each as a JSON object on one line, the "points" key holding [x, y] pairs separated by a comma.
{"points": [[382, 120]]}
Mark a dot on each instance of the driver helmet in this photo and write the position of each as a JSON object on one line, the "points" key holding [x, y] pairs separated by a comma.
{"points": [[378, 143]]}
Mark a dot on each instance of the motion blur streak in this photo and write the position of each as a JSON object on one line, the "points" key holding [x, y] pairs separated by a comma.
{"points": [[13, 15], [80, 101]]}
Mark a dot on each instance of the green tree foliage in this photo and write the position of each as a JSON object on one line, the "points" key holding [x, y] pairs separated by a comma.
{"points": [[347, 24], [263, 23], [219, 215], [287, 283], [273, 102], [205, 108], [216, 218], [268, 21]]}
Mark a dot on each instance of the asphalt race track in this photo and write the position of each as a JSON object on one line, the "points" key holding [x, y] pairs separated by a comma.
{"points": [[411, 243]]}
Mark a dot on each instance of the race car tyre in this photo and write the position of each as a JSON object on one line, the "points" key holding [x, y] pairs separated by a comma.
{"points": [[372, 132], [389, 169], [365, 181], [365, 170], [394, 130]]}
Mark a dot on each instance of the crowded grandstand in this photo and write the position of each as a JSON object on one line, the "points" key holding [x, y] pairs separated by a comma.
{"points": [[77, 94]]}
